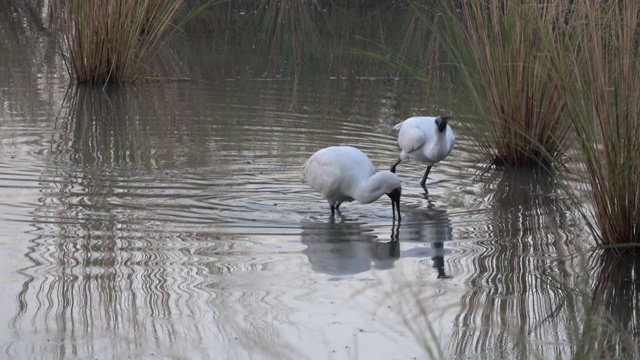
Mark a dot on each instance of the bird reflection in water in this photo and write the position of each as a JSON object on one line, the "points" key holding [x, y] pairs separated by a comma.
{"points": [[347, 247], [428, 227]]}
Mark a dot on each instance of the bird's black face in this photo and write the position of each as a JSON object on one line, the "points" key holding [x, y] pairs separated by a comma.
{"points": [[395, 201], [441, 122]]}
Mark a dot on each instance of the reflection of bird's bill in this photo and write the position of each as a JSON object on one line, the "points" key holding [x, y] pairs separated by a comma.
{"points": [[425, 225], [438, 230]]}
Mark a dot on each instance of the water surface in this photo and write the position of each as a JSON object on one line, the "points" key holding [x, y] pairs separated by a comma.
{"points": [[169, 220]]}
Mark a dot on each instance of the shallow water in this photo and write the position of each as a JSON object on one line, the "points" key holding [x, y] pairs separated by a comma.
{"points": [[169, 221]]}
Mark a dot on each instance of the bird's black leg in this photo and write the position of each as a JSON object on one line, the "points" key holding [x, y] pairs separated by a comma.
{"points": [[424, 178], [393, 167], [335, 209]]}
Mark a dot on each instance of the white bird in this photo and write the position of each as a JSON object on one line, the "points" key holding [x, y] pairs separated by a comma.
{"points": [[424, 139], [344, 173]]}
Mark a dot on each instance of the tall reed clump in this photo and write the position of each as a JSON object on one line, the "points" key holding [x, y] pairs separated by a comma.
{"points": [[603, 96], [497, 48], [113, 41]]}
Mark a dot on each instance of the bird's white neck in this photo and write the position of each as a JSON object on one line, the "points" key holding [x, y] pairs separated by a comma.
{"points": [[440, 142], [371, 189]]}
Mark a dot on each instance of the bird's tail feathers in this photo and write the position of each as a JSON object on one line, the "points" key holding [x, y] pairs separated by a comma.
{"points": [[304, 170]]}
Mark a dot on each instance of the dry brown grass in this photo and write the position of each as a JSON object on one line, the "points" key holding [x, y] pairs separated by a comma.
{"points": [[603, 94], [113, 41], [542, 72], [498, 48]]}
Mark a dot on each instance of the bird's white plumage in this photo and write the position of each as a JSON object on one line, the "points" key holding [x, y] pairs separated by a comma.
{"points": [[344, 173], [420, 140]]}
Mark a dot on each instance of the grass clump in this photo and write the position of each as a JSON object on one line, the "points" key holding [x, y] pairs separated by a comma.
{"points": [[603, 96], [114, 41], [498, 49], [543, 73]]}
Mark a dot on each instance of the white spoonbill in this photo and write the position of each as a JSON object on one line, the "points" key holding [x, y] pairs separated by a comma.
{"points": [[425, 139], [344, 173]]}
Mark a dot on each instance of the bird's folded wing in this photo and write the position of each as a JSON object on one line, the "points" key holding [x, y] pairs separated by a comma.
{"points": [[411, 140], [321, 175]]}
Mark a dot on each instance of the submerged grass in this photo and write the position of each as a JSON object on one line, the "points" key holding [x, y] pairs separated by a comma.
{"points": [[599, 299], [603, 96], [114, 41], [497, 49]]}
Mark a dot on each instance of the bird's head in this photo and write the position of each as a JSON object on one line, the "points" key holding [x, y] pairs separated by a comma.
{"points": [[441, 122]]}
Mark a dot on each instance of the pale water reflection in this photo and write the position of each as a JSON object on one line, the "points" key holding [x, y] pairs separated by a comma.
{"points": [[340, 246], [345, 247]]}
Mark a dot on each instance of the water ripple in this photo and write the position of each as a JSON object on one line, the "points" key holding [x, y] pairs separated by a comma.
{"points": [[160, 227]]}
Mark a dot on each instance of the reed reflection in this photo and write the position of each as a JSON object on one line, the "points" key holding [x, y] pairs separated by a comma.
{"points": [[128, 127], [614, 319], [102, 275], [509, 304]]}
